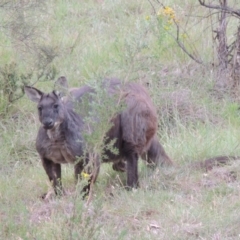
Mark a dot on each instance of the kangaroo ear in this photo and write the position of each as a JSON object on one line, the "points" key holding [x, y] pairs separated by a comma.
{"points": [[33, 93], [61, 85]]}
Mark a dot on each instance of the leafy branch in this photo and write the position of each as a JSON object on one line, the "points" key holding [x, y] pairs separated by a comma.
{"points": [[177, 37]]}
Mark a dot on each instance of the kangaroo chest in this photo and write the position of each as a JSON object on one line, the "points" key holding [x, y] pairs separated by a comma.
{"points": [[57, 149], [59, 153]]}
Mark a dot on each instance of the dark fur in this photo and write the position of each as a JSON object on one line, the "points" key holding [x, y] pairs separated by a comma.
{"points": [[134, 130]]}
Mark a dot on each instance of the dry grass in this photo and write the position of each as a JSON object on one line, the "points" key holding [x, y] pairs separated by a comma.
{"points": [[171, 203]]}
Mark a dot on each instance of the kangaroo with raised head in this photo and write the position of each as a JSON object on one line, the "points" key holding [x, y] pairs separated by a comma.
{"points": [[60, 137]]}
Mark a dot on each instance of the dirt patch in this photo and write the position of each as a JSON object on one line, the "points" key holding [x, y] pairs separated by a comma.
{"points": [[218, 176], [43, 210]]}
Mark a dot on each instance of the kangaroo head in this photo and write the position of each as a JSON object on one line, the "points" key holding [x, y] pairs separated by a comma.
{"points": [[51, 108]]}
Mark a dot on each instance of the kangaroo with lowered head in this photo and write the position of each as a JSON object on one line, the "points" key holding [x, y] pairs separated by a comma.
{"points": [[60, 136]]}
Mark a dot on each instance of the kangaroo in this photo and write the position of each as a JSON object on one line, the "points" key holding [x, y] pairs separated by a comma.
{"points": [[60, 136]]}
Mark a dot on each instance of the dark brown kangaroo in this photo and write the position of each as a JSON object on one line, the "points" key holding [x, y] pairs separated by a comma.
{"points": [[60, 139]]}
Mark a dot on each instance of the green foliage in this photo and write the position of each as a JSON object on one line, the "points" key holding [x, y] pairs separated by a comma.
{"points": [[27, 58], [11, 85], [12, 82], [80, 222], [97, 109], [232, 113]]}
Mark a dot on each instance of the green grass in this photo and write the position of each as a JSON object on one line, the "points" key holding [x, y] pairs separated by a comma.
{"points": [[94, 40]]}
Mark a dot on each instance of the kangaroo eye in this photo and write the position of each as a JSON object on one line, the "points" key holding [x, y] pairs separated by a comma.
{"points": [[55, 106], [39, 108]]}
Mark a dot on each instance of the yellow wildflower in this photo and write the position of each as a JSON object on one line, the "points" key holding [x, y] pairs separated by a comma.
{"points": [[184, 35], [85, 175], [167, 12], [166, 28], [147, 18], [170, 22]]}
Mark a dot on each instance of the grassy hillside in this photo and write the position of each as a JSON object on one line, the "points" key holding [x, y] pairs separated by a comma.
{"points": [[87, 41]]}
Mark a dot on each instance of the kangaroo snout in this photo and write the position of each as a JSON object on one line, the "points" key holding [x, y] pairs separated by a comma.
{"points": [[48, 123]]}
